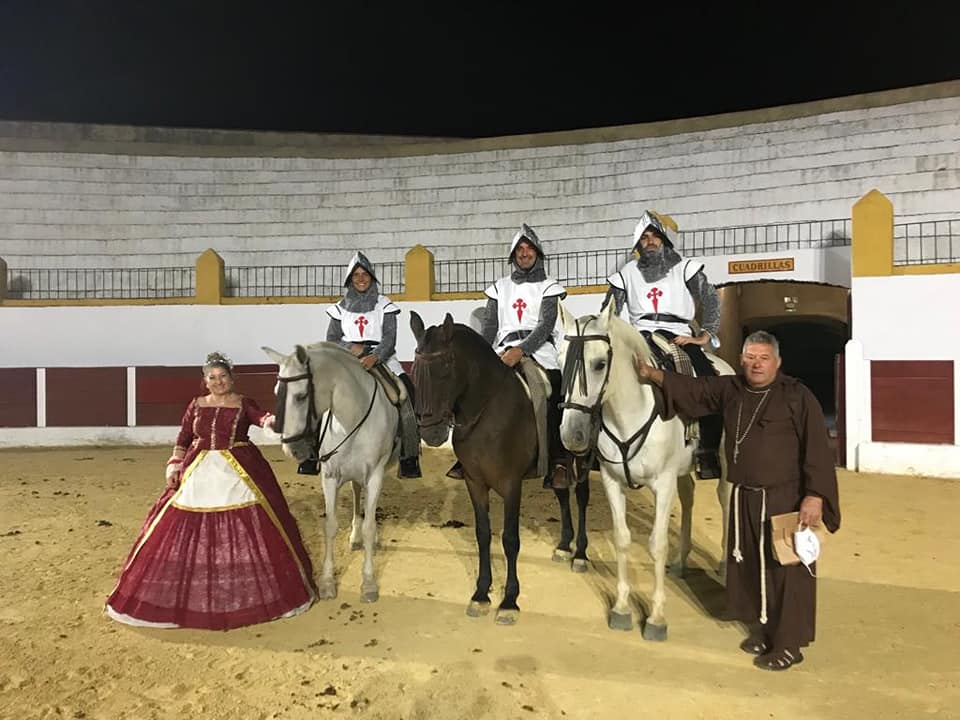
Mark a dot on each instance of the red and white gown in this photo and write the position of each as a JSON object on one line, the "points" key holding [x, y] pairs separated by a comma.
{"points": [[221, 550]]}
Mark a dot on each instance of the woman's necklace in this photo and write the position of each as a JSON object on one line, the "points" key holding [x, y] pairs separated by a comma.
{"points": [[738, 438]]}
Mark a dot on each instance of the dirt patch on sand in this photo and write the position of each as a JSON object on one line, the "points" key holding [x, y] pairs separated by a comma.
{"points": [[888, 629]]}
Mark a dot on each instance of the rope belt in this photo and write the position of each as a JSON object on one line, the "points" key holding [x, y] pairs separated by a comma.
{"points": [[738, 555]]}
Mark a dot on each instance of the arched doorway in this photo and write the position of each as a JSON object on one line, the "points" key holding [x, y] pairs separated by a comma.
{"points": [[809, 346]]}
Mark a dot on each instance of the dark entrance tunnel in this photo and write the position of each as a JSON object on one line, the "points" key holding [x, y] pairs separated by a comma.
{"points": [[808, 347]]}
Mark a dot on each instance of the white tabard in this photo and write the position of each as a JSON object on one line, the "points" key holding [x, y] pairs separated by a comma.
{"points": [[667, 295], [367, 327], [518, 306]]}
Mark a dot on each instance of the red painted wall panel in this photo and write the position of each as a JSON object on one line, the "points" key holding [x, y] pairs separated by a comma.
{"points": [[912, 401], [79, 397], [163, 393], [18, 397]]}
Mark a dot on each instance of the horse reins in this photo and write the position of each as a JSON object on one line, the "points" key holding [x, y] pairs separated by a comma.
{"points": [[309, 425], [575, 370]]}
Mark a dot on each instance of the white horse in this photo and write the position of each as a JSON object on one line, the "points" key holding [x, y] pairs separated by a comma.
{"points": [[605, 403], [322, 389]]}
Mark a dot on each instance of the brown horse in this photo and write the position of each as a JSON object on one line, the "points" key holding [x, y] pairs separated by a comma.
{"points": [[462, 382]]}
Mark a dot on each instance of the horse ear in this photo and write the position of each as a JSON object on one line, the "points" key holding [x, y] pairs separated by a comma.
{"points": [[567, 320], [608, 313], [416, 325], [448, 328], [274, 355], [301, 354]]}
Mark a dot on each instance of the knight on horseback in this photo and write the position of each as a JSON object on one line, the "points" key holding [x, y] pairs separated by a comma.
{"points": [[520, 321], [365, 323], [662, 291]]}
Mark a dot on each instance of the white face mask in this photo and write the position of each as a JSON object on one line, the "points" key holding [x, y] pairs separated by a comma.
{"points": [[807, 546]]}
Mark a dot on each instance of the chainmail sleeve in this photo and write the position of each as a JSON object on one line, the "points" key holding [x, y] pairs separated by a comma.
{"points": [[619, 297], [491, 321], [541, 333], [707, 299], [388, 340]]}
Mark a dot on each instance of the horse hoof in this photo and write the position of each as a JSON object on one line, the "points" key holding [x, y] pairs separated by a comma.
{"points": [[327, 591], [478, 609], [370, 596], [579, 565], [561, 555], [356, 546], [507, 617], [620, 621], [656, 633]]}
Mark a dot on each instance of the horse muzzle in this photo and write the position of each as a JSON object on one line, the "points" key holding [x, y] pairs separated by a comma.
{"points": [[434, 432]]}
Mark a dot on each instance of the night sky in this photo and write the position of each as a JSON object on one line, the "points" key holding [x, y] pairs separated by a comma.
{"points": [[460, 69]]}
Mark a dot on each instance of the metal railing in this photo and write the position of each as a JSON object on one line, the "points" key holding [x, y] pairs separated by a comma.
{"points": [[581, 267], [764, 238], [926, 243], [593, 267], [100, 283], [303, 280]]}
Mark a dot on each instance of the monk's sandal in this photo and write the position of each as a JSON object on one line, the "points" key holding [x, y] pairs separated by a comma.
{"points": [[783, 660]]}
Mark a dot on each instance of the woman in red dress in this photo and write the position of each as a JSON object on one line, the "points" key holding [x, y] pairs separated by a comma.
{"points": [[220, 548]]}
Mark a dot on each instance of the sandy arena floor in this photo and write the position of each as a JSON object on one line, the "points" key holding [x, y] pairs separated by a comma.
{"points": [[888, 625]]}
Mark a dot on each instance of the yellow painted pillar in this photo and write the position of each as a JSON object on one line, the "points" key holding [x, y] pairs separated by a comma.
{"points": [[418, 274], [211, 280], [3, 280], [871, 248]]}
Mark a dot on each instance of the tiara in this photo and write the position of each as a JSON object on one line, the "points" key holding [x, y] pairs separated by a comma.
{"points": [[217, 358]]}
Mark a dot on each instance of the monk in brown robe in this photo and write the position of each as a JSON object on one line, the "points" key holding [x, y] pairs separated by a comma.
{"points": [[778, 461]]}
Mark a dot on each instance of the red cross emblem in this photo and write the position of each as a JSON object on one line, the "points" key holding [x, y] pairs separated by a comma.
{"points": [[519, 305], [655, 295], [361, 322]]}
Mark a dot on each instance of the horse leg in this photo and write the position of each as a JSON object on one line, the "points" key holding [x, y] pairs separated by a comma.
{"points": [[620, 618], [480, 498], [685, 489], [356, 536], [583, 498], [665, 491], [327, 587], [508, 613], [369, 589], [561, 553]]}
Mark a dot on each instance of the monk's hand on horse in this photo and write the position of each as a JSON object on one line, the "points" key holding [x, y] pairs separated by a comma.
{"points": [[700, 340], [811, 511], [368, 361], [358, 349], [646, 371], [511, 356]]}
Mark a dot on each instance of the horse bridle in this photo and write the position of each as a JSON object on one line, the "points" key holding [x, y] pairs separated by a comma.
{"points": [[309, 431], [574, 369], [448, 416], [577, 371], [309, 427]]}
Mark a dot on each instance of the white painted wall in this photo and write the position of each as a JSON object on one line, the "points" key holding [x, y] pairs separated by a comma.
{"points": [[179, 335], [83, 209], [907, 317], [902, 317]]}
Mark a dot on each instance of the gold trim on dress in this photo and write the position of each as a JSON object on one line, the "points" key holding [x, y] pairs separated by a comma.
{"points": [[267, 508]]}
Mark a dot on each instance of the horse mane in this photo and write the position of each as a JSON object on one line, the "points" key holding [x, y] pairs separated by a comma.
{"points": [[622, 332]]}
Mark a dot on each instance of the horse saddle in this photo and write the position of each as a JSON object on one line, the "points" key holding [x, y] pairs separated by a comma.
{"points": [[393, 387], [672, 357], [537, 385]]}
